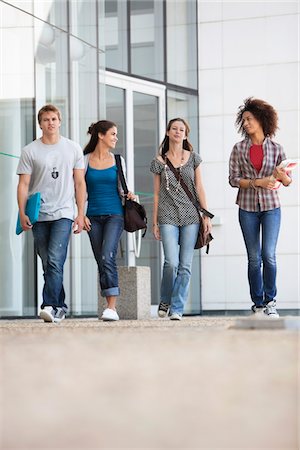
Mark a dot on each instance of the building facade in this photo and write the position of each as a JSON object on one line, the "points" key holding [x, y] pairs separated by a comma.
{"points": [[140, 63]]}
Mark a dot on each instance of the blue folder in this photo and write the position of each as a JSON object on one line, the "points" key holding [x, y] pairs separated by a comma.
{"points": [[32, 211]]}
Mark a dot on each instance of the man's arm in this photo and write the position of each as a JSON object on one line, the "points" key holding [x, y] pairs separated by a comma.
{"points": [[22, 196], [80, 197]]}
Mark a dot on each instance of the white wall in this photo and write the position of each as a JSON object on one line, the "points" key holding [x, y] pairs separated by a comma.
{"points": [[246, 49]]}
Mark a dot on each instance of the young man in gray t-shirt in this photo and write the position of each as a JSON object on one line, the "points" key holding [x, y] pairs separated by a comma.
{"points": [[52, 165]]}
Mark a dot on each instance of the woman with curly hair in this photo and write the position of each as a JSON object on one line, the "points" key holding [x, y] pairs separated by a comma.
{"points": [[253, 169]]}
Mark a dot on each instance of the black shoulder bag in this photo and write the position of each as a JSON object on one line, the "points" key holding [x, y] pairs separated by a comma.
{"points": [[134, 213], [203, 238]]}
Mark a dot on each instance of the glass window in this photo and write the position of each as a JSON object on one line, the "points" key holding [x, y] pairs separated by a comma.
{"points": [[24, 5], [85, 85], [51, 58], [17, 128], [84, 20], [114, 105], [116, 41], [52, 11], [182, 43], [184, 105], [145, 108], [147, 38]]}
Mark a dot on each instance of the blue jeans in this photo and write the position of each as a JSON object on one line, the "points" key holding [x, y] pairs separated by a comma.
{"points": [[178, 244], [51, 241], [260, 231], [105, 235]]}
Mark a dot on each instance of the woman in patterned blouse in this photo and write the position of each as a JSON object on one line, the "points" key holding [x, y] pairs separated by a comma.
{"points": [[175, 218], [253, 170]]}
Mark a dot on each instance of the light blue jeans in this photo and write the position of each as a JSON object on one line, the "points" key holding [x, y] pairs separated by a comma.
{"points": [[260, 231], [178, 244]]}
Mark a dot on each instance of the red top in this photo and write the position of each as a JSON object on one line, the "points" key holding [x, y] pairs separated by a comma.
{"points": [[256, 156]]}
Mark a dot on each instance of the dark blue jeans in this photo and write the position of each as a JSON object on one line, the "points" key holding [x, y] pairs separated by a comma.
{"points": [[51, 241], [260, 231], [105, 235]]}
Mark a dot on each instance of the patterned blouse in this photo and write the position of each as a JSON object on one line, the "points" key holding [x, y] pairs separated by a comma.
{"points": [[240, 166], [174, 206]]}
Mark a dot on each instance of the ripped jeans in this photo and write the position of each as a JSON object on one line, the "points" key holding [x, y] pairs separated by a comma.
{"points": [[104, 236]]}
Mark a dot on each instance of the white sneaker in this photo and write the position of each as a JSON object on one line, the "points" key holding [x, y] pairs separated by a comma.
{"points": [[270, 310], [47, 314], [175, 316], [109, 315]]}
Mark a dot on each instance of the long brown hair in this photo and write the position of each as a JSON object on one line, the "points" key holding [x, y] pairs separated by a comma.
{"points": [[94, 129], [164, 146]]}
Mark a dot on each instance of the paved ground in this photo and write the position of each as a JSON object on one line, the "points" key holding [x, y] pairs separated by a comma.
{"points": [[196, 384]]}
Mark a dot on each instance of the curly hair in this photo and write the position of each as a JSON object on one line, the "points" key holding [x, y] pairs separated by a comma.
{"points": [[164, 146], [102, 126], [264, 113]]}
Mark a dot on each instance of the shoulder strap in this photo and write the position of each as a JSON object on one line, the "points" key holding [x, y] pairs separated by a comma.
{"points": [[121, 173], [187, 191]]}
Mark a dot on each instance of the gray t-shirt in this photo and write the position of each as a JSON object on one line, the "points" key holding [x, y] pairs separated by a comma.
{"points": [[174, 206], [51, 169]]}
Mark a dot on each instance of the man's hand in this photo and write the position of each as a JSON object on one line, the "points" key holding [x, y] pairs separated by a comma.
{"points": [[78, 224]]}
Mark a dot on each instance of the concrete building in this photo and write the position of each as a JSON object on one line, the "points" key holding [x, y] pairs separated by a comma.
{"points": [[140, 63]]}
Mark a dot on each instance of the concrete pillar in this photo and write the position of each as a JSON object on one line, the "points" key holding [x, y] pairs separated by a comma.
{"points": [[134, 301]]}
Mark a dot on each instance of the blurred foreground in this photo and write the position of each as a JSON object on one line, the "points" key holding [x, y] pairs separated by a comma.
{"points": [[154, 384]]}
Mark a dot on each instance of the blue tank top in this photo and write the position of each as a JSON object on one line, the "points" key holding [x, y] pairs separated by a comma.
{"points": [[103, 194]]}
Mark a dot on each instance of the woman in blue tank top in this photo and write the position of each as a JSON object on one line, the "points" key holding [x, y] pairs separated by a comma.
{"points": [[104, 219]]}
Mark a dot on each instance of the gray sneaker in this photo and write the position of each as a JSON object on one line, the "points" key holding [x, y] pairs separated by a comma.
{"points": [[271, 311], [47, 314], [59, 315]]}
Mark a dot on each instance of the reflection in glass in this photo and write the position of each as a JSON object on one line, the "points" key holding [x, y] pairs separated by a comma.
{"points": [[145, 148], [186, 106], [52, 11], [116, 35], [51, 58], [83, 20], [85, 78], [17, 127], [147, 38], [182, 43], [115, 111]]}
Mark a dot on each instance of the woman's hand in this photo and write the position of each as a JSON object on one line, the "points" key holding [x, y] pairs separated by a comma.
{"points": [[207, 224], [282, 175], [156, 233], [87, 224], [266, 183], [131, 196]]}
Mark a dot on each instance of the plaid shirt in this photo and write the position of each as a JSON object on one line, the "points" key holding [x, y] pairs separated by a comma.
{"points": [[240, 167]]}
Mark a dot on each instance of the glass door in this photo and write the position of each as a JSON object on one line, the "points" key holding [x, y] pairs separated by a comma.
{"points": [[138, 108]]}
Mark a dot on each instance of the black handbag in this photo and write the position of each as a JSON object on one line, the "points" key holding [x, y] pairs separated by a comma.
{"points": [[135, 217], [203, 238]]}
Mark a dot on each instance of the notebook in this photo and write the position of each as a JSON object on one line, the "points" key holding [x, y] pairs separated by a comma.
{"points": [[32, 211]]}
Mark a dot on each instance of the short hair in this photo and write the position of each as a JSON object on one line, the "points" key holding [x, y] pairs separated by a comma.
{"points": [[264, 113], [48, 108]]}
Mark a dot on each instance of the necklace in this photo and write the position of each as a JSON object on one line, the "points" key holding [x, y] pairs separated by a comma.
{"points": [[179, 170]]}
